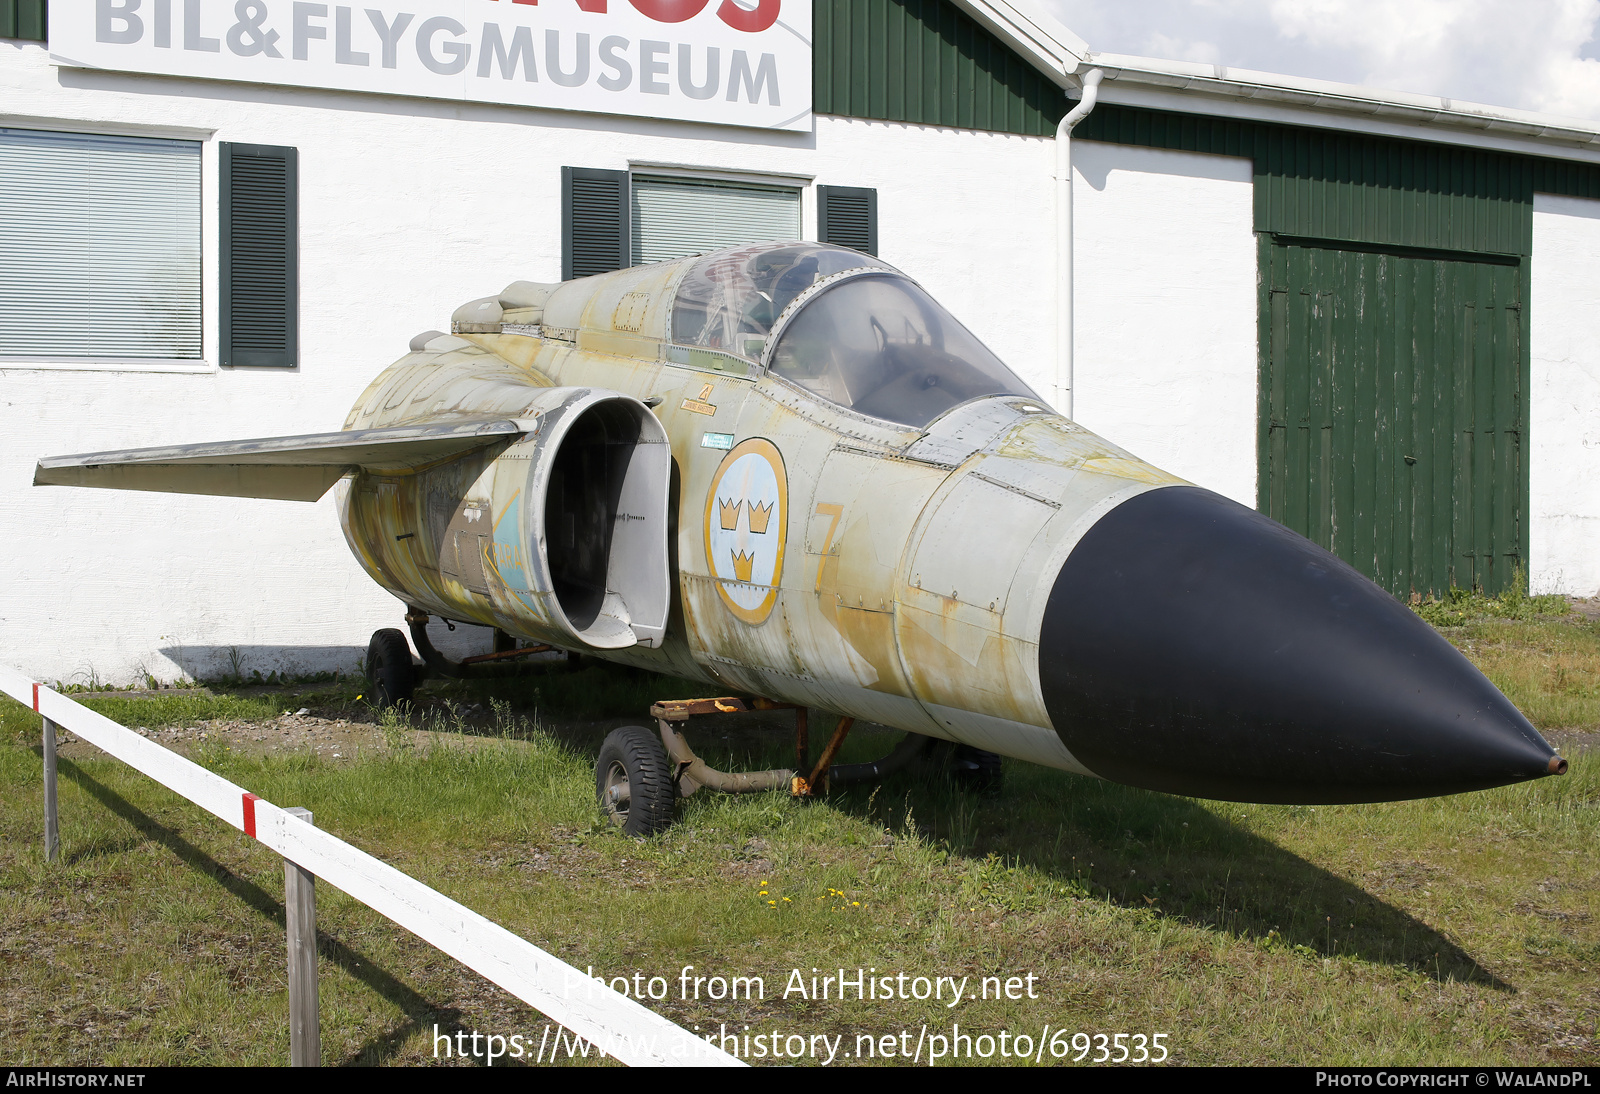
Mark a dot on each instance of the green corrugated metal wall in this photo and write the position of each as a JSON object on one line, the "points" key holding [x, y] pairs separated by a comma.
{"points": [[1326, 184], [1393, 338], [1393, 392], [24, 19], [1366, 190], [926, 62]]}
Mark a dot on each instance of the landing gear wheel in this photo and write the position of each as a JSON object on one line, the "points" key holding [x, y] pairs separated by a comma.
{"points": [[633, 781], [976, 769], [389, 668]]}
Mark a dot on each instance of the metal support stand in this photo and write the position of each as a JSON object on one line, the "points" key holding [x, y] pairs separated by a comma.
{"points": [[802, 740], [52, 828], [818, 783], [300, 914], [690, 773]]}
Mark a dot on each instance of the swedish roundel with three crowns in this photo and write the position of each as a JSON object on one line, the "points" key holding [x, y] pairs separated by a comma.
{"points": [[746, 525]]}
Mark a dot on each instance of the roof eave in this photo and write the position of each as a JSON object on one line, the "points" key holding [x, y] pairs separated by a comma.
{"points": [[1348, 100], [1030, 31]]}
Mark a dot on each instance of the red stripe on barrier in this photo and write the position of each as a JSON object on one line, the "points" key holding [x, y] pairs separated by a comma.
{"points": [[36, 698], [250, 814]]}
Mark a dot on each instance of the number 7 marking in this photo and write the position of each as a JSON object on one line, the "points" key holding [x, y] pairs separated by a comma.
{"points": [[827, 509]]}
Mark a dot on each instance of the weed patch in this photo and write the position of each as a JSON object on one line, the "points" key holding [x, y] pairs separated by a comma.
{"points": [[1459, 606]]}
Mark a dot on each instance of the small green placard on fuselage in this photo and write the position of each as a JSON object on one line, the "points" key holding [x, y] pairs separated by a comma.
{"points": [[716, 440]]}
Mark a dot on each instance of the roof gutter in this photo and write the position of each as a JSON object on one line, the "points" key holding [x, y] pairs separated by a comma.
{"points": [[1449, 119], [1064, 327], [1059, 54]]}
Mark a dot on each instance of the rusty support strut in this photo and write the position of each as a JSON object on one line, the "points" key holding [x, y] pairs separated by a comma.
{"points": [[691, 773], [818, 782]]}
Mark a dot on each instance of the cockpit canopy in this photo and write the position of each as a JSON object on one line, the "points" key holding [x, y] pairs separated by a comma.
{"points": [[862, 335]]}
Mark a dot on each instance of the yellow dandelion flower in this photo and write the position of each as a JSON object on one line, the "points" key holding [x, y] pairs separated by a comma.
{"points": [[855, 904], [774, 903]]}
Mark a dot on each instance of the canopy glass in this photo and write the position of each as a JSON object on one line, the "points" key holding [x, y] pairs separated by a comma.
{"points": [[730, 299], [875, 342]]}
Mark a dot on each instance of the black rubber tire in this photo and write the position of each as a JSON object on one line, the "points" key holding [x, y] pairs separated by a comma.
{"points": [[389, 668], [975, 769], [632, 758]]}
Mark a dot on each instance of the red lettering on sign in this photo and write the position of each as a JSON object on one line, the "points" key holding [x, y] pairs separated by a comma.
{"points": [[670, 11], [750, 20], [583, 5], [762, 16]]}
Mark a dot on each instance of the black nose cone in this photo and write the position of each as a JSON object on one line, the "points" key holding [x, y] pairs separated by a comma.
{"points": [[1193, 646]]}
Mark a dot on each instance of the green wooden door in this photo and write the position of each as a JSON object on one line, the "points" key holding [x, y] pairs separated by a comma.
{"points": [[1392, 394]]}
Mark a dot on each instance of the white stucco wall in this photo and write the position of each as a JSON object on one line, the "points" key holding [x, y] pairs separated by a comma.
{"points": [[1165, 279], [408, 208], [1564, 398]]}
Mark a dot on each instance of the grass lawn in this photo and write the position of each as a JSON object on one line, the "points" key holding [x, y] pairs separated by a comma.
{"points": [[1459, 930]]}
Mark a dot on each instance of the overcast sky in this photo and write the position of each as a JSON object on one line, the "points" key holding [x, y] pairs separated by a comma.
{"points": [[1532, 54]]}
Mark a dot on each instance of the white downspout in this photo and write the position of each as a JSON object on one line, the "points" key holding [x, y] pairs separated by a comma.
{"points": [[1064, 378]]}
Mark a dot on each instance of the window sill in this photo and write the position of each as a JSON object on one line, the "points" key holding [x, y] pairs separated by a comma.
{"points": [[105, 364]]}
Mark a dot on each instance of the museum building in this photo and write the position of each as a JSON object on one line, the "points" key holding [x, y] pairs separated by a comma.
{"points": [[1375, 316]]}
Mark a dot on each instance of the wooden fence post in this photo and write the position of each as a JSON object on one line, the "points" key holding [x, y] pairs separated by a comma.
{"points": [[52, 827], [300, 914]]}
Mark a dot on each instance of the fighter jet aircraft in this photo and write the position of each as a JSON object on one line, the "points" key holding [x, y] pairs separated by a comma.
{"points": [[786, 471]]}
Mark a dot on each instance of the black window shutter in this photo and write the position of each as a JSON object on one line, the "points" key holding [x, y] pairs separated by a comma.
{"points": [[594, 222], [259, 264], [848, 216]]}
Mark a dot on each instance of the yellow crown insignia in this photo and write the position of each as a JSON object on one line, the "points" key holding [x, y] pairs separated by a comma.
{"points": [[759, 516], [743, 564], [729, 512]]}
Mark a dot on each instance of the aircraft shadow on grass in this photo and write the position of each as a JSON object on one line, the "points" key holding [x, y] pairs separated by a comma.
{"points": [[1167, 855], [1176, 859]]}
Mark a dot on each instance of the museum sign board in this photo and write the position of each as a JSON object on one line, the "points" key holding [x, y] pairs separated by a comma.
{"points": [[726, 62]]}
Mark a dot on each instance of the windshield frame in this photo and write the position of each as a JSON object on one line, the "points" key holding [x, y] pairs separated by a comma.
{"points": [[817, 288], [781, 325], [704, 277]]}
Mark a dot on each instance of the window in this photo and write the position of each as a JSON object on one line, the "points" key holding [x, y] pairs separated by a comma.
{"points": [[613, 219], [101, 259], [675, 217]]}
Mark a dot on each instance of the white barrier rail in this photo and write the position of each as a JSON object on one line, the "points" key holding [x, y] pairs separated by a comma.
{"points": [[613, 1023]]}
